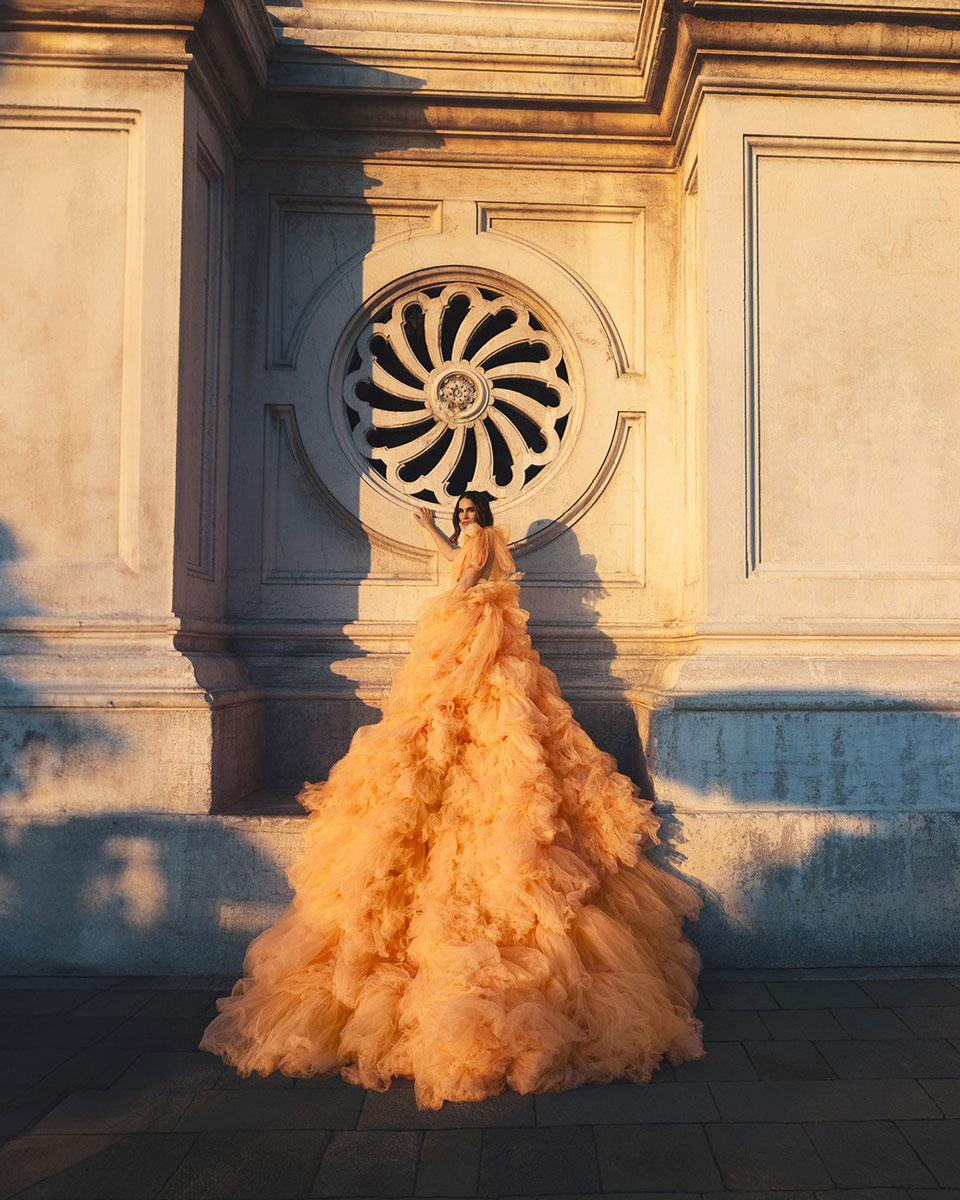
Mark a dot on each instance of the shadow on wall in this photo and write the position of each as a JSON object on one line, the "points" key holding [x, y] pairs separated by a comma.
{"points": [[134, 893], [295, 585], [111, 891], [822, 828], [41, 747], [598, 696]]}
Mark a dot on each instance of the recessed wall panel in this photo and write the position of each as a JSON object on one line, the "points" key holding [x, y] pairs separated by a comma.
{"points": [[63, 292], [853, 399]]}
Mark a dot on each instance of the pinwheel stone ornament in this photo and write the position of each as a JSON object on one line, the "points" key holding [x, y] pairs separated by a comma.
{"points": [[457, 387]]}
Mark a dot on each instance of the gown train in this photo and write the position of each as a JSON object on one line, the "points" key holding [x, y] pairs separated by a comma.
{"points": [[472, 907]]}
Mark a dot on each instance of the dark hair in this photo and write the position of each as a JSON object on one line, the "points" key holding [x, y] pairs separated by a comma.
{"points": [[481, 503]]}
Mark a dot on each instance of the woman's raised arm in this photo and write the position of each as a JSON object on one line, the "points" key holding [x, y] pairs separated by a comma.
{"points": [[425, 519]]}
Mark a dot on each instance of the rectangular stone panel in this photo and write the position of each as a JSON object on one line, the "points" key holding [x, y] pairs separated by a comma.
{"points": [[853, 413], [604, 246], [313, 239], [64, 297]]}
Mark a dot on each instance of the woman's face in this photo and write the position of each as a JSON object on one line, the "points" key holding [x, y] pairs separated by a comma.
{"points": [[467, 512]]}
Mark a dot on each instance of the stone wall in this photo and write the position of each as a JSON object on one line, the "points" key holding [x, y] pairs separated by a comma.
{"points": [[734, 243]]}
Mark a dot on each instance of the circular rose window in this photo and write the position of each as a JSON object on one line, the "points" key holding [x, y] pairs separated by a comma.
{"points": [[456, 387]]}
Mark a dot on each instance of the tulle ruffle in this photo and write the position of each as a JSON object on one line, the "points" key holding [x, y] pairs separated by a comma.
{"points": [[470, 906]]}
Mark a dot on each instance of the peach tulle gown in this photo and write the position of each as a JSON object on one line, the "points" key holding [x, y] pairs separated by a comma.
{"points": [[471, 908]]}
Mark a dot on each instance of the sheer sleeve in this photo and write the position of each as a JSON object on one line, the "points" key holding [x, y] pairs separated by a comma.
{"points": [[475, 551], [487, 551], [503, 564]]}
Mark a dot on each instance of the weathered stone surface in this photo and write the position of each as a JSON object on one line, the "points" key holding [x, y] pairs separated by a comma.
{"points": [[739, 231]]}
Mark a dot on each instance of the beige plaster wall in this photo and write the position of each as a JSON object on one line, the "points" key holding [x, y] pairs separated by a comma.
{"points": [[114, 428], [831, 230], [316, 241], [90, 297]]}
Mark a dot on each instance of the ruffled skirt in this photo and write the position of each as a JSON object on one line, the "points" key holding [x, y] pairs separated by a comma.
{"points": [[471, 906]]}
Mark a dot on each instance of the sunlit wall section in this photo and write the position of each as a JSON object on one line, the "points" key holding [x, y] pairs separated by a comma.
{"points": [[809, 748]]}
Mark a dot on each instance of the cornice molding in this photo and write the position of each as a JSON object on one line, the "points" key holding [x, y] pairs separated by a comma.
{"points": [[230, 49], [102, 12], [404, 97], [225, 44], [107, 33]]}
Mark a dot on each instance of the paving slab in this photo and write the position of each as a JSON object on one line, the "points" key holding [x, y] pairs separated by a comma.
{"points": [[41, 1001], [173, 1071], [763, 1194], [449, 1162], [938, 1145], [803, 1024], [272, 1109], [24, 1067], [396, 1108], [637, 1158], [823, 1100], [89, 983], [876, 1024], [623, 1103], [115, 1112], [863, 1154], [16, 1119], [219, 985], [230, 1080], [946, 1093], [733, 1025], [788, 1060], [29, 1160], [194, 1002], [671, 1195], [801, 1076], [157, 1033], [83, 1167], [736, 994], [54, 1031], [113, 1004], [229, 1165], [724, 1060], [327, 1081], [369, 1163], [932, 1021], [815, 993], [897, 1059], [94, 1067], [864, 1194], [912, 993], [767, 1156], [538, 1162]]}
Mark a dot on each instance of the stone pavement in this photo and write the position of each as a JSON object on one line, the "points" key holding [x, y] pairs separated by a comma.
{"points": [[812, 1088]]}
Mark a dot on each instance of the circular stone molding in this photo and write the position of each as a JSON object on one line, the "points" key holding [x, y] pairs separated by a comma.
{"points": [[454, 387]]}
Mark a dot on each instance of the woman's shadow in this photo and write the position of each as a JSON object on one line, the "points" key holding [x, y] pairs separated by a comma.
{"points": [[566, 630]]}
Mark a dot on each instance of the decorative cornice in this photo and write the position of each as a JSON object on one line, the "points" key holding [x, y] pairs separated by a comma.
{"points": [[231, 48], [103, 12], [549, 82], [225, 44], [58, 33], [567, 50]]}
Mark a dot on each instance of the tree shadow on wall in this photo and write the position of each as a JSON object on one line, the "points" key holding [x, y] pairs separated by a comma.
{"points": [[41, 746], [107, 891], [138, 893], [822, 828]]}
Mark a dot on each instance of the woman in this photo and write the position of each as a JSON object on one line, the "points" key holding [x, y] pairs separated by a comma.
{"points": [[470, 906]]}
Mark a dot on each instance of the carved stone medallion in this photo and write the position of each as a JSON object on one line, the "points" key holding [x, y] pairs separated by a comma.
{"points": [[455, 387]]}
